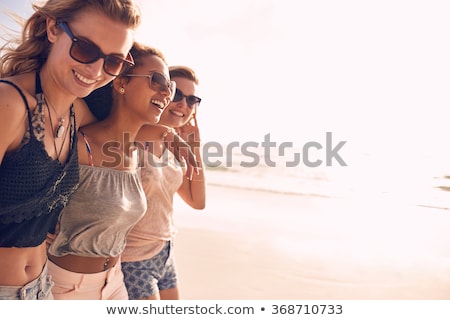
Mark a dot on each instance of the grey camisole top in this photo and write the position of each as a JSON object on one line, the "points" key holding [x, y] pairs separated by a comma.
{"points": [[100, 214]]}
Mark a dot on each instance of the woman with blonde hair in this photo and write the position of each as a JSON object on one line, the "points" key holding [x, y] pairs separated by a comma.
{"points": [[68, 49]]}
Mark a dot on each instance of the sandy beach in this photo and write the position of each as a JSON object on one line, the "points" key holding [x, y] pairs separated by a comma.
{"points": [[261, 245]]}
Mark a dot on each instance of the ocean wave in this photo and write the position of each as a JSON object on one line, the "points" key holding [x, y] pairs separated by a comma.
{"points": [[274, 180], [259, 189], [421, 183]]}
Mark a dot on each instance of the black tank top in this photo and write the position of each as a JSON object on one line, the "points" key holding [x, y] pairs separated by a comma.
{"points": [[33, 187]]}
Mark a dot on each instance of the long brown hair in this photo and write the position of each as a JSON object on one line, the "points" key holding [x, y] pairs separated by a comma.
{"points": [[33, 48]]}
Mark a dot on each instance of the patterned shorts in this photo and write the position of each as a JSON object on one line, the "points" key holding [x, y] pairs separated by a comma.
{"points": [[147, 277]]}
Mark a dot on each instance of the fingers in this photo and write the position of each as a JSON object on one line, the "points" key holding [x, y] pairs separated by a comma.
{"points": [[193, 121], [185, 155]]}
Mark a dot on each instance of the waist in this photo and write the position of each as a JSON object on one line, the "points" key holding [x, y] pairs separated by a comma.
{"points": [[19, 266], [81, 264]]}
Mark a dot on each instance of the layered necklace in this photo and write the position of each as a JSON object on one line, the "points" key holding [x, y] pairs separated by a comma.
{"points": [[60, 129]]}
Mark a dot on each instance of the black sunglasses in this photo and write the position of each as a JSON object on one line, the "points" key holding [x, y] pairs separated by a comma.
{"points": [[84, 51], [190, 100], [158, 82]]}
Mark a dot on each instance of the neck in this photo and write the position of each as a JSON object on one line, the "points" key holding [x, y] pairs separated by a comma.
{"points": [[117, 132], [54, 94]]}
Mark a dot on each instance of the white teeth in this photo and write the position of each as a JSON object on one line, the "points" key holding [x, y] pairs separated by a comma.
{"points": [[84, 79], [160, 104], [177, 113]]}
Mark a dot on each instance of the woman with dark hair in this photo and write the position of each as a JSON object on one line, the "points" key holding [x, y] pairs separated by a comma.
{"points": [[148, 262], [85, 254]]}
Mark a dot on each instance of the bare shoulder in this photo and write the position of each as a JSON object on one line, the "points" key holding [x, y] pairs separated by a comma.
{"points": [[150, 132], [13, 94], [13, 114]]}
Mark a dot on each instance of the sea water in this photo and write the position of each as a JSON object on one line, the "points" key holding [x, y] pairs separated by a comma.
{"points": [[422, 180]]}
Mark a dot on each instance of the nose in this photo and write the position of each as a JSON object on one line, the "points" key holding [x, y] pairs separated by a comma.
{"points": [[182, 102], [167, 96], [166, 92], [95, 69]]}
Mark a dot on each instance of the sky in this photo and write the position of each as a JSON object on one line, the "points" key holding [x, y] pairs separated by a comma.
{"points": [[374, 73]]}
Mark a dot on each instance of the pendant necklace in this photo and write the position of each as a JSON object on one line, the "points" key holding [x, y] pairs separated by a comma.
{"points": [[60, 129]]}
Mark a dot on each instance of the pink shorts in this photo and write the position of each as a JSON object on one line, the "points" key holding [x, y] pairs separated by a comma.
{"points": [[105, 285]]}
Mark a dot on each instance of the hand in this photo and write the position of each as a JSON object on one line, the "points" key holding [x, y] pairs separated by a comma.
{"points": [[183, 153], [190, 132]]}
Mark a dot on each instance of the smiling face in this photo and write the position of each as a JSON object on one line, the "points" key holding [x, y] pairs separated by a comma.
{"points": [[177, 114], [144, 98], [110, 36]]}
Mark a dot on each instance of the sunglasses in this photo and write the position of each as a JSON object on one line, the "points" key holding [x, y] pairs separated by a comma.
{"points": [[158, 82], [190, 100], [84, 51]]}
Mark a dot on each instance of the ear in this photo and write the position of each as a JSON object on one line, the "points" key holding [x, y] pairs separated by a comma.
{"points": [[52, 30], [119, 83]]}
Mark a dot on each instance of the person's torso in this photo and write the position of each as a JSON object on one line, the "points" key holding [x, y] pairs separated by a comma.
{"points": [[34, 188], [161, 179], [106, 205]]}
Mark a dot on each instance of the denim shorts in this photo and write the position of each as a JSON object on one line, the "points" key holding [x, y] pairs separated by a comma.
{"points": [[147, 277], [38, 289]]}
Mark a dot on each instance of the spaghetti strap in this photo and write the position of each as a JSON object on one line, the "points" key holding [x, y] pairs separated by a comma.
{"points": [[30, 126], [88, 147]]}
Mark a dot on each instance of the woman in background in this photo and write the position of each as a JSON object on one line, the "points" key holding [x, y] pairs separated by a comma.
{"points": [[147, 261]]}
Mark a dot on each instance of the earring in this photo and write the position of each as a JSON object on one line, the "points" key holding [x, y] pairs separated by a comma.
{"points": [[122, 90]]}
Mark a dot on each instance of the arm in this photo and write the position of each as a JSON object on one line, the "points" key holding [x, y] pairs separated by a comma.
{"points": [[192, 191], [13, 119]]}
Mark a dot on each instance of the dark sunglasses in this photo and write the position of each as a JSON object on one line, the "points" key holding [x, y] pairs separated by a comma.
{"points": [[190, 100], [158, 82], [84, 51]]}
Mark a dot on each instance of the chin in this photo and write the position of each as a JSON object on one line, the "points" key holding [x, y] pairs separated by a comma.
{"points": [[154, 120]]}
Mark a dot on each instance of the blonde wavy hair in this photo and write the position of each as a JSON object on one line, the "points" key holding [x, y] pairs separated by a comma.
{"points": [[32, 49]]}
